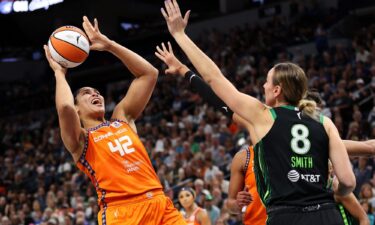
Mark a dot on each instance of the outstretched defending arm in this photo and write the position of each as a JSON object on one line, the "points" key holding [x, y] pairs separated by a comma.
{"points": [[360, 148], [197, 85], [245, 106]]}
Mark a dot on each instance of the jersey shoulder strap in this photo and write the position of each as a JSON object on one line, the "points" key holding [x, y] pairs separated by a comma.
{"points": [[248, 156]]}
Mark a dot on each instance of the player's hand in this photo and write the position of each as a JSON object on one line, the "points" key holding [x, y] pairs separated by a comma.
{"points": [[167, 56], [244, 198], [99, 41], [172, 15], [364, 221], [55, 66]]}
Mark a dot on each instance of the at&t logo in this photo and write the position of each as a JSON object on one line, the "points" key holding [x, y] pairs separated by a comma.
{"points": [[294, 176]]}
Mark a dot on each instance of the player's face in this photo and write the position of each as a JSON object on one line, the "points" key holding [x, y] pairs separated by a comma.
{"points": [[186, 199], [269, 89], [89, 101]]}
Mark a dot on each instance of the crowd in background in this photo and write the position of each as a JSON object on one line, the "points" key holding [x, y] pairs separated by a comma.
{"points": [[189, 143]]}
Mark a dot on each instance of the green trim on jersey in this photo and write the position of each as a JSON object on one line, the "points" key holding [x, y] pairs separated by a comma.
{"points": [[289, 107], [273, 113], [330, 183], [343, 215], [321, 118], [346, 216], [264, 189]]}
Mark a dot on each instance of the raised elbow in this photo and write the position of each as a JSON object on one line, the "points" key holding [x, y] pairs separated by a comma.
{"points": [[154, 73]]}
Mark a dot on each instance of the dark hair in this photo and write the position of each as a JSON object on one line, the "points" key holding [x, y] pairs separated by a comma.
{"points": [[314, 95], [188, 189], [75, 94]]}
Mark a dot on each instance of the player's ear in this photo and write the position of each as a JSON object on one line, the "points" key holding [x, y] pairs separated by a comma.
{"points": [[77, 108], [277, 90]]}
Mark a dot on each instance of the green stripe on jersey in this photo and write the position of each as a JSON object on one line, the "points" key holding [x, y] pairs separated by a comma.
{"points": [[273, 113], [343, 215], [321, 118], [290, 107], [264, 191]]}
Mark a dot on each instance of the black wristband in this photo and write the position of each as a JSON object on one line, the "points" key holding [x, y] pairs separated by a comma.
{"points": [[199, 86], [188, 75]]}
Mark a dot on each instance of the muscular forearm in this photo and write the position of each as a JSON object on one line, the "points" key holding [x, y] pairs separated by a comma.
{"points": [[137, 65], [360, 148], [64, 96], [371, 144], [205, 66]]}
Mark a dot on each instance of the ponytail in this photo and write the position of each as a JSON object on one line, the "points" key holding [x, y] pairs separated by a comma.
{"points": [[308, 107]]}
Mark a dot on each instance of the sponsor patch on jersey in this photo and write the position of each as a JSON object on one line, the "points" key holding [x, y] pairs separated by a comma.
{"points": [[116, 124], [103, 136], [294, 177]]}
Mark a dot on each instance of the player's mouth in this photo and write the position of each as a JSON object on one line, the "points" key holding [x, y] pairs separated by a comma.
{"points": [[96, 101]]}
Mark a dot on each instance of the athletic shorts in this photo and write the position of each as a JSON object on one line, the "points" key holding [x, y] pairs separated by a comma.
{"points": [[156, 209], [297, 216]]}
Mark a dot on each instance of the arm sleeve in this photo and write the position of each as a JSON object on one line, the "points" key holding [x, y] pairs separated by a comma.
{"points": [[204, 90]]}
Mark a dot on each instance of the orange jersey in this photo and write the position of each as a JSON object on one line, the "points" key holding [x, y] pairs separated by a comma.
{"points": [[152, 211], [255, 212], [117, 163], [192, 220]]}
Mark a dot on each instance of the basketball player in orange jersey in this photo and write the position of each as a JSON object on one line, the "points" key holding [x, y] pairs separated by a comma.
{"points": [[193, 214], [242, 189], [109, 151]]}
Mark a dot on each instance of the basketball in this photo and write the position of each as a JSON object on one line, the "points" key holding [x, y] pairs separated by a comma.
{"points": [[69, 46]]}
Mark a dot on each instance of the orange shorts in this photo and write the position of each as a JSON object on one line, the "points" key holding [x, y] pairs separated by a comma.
{"points": [[155, 210]]}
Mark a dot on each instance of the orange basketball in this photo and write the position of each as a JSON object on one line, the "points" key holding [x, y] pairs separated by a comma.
{"points": [[69, 46]]}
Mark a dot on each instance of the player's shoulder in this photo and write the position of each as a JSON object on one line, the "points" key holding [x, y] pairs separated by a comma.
{"points": [[240, 156], [243, 149]]}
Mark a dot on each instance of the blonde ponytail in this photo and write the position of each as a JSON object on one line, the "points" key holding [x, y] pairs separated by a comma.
{"points": [[308, 107]]}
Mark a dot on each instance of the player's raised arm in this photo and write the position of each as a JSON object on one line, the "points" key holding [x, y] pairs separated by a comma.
{"points": [[197, 85], [71, 132], [141, 88], [246, 106]]}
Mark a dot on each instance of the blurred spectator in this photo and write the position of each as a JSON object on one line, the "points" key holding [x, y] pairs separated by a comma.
{"points": [[223, 183], [362, 174], [212, 210], [368, 209], [200, 192]]}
